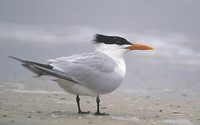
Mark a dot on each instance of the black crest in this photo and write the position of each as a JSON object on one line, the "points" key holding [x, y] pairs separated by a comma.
{"points": [[110, 40]]}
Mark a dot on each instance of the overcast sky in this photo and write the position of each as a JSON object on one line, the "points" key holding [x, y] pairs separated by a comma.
{"points": [[135, 16]]}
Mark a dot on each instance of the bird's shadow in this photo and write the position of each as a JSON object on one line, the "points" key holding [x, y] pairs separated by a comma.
{"points": [[70, 113], [62, 113]]}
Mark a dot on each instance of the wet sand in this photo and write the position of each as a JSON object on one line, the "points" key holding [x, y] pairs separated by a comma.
{"points": [[24, 107]]}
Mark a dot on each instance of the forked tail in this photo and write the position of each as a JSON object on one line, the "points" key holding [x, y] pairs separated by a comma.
{"points": [[42, 69], [33, 66]]}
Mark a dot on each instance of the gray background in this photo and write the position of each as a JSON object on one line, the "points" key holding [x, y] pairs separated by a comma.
{"points": [[42, 29]]}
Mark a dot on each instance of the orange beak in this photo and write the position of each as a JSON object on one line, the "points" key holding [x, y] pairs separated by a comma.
{"points": [[139, 47]]}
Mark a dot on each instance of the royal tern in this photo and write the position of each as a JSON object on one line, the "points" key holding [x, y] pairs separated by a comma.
{"points": [[89, 74]]}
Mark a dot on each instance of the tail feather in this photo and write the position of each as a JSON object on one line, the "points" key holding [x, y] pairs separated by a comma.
{"points": [[32, 69], [31, 65], [18, 59], [42, 69]]}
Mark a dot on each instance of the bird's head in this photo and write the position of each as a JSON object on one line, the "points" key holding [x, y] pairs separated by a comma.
{"points": [[117, 45]]}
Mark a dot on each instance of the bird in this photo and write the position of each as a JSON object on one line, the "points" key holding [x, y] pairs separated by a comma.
{"points": [[89, 74]]}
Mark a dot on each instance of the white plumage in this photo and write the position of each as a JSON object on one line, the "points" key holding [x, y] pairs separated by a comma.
{"points": [[95, 73], [90, 74]]}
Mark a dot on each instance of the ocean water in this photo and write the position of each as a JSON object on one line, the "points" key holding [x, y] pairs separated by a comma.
{"points": [[172, 70]]}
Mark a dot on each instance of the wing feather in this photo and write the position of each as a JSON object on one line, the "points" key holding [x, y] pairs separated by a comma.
{"points": [[94, 61], [80, 67]]}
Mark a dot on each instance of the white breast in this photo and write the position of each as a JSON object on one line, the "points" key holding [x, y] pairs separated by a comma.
{"points": [[121, 67]]}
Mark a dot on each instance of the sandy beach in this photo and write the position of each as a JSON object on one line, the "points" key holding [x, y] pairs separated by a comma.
{"points": [[161, 87], [24, 107]]}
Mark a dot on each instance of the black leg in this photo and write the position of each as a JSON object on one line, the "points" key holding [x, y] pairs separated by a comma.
{"points": [[79, 108], [98, 111], [78, 103]]}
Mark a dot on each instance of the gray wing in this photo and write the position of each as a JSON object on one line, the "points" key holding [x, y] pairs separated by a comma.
{"points": [[79, 67]]}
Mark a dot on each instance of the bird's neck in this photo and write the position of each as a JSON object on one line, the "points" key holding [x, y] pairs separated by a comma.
{"points": [[117, 55]]}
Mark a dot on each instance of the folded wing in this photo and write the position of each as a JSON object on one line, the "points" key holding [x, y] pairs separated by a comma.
{"points": [[43, 69]]}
